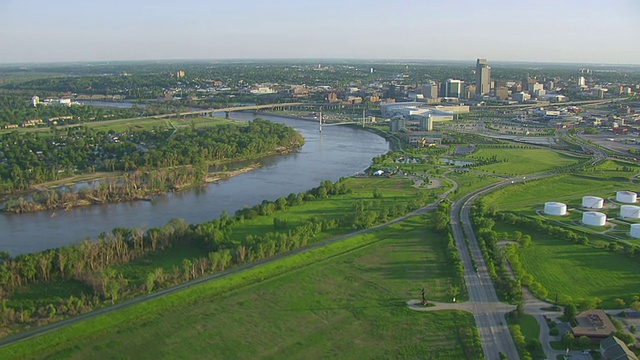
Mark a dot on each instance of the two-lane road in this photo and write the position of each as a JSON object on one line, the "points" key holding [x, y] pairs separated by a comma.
{"points": [[488, 311]]}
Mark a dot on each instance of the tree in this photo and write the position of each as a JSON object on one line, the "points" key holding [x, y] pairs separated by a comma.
{"points": [[519, 310], [150, 281], [440, 220], [626, 338], [570, 312], [567, 339], [584, 341], [525, 241]]}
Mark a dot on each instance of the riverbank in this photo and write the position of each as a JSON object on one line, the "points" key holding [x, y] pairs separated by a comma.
{"points": [[67, 200], [222, 175], [322, 157]]}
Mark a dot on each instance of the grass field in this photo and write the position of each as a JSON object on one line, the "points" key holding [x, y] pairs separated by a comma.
{"points": [[394, 190], [344, 300], [530, 327], [578, 271], [571, 270], [602, 181], [523, 161], [469, 181]]}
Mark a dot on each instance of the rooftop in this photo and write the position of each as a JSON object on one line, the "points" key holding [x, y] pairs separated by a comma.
{"points": [[593, 324]]}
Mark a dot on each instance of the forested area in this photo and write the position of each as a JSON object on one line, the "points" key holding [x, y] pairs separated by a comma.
{"points": [[93, 274], [33, 158]]}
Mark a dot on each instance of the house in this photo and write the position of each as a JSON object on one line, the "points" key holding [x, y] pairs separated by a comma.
{"points": [[613, 348]]}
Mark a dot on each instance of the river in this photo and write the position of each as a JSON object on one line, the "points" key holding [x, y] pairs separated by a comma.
{"points": [[339, 151]]}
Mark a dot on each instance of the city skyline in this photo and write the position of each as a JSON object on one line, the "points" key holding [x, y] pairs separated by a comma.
{"points": [[545, 31]]}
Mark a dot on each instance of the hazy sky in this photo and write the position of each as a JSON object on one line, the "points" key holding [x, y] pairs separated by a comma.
{"points": [[583, 31]]}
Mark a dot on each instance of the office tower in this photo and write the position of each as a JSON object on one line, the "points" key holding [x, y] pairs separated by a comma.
{"points": [[483, 77], [430, 90], [453, 88]]}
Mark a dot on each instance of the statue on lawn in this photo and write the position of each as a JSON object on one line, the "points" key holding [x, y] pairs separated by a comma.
{"points": [[424, 299]]}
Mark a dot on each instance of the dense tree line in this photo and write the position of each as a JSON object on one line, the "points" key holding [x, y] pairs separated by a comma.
{"points": [[441, 222], [506, 287], [32, 158]]}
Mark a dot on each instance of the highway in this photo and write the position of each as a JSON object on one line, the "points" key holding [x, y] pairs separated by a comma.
{"points": [[488, 311]]}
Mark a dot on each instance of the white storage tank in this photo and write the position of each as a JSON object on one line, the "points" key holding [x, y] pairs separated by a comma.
{"points": [[555, 208], [630, 211], [594, 218], [592, 202], [635, 231], [626, 197]]}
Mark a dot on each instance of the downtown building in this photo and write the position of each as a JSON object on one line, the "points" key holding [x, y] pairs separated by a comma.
{"points": [[483, 77]]}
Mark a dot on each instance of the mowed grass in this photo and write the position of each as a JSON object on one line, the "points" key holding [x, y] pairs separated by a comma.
{"points": [[469, 181], [394, 190], [343, 300], [524, 161], [530, 327], [579, 271], [603, 181]]}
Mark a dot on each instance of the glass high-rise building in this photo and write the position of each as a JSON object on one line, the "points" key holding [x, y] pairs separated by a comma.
{"points": [[453, 88]]}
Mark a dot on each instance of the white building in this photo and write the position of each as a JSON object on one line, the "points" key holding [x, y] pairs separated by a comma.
{"points": [[391, 109], [35, 100], [521, 97], [262, 90], [582, 82]]}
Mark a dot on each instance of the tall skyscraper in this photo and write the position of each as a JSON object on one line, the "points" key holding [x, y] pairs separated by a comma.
{"points": [[483, 77]]}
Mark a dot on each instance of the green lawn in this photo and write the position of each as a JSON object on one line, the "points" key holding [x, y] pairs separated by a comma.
{"points": [[574, 271], [579, 271], [523, 161], [395, 190], [469, 181], [344, 300], [530, 327], [603, 181]]}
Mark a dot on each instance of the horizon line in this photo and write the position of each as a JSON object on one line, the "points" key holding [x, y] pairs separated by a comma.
{"points": [[309, 59]]}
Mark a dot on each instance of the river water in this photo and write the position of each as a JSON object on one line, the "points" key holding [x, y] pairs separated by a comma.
{"points": [[339, 151]]}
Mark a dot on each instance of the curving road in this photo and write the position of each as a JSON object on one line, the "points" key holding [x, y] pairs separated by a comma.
{"points": [[487, 310]]}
